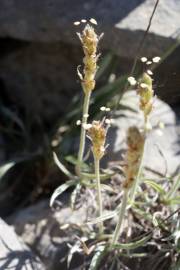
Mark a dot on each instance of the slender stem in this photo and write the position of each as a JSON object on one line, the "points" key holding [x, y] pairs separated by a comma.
{"points": [[118, 228], [99, 197], [174, 188], [136, 182], [83, 131]]}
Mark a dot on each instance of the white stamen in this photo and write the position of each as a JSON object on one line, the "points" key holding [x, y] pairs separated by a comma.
{"points": [[103, 108], [83, 21], [161, 125], [149, 63], [78, 122], [132, 80], [149, 72], [93, 21], [156, 59], [87, 126], [143, 59], [108, 109], [143, 85], [108, 121], [148, 126], [76, 23]]}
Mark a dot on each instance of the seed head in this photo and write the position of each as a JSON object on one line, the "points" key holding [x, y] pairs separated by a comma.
{"points": [[89, 40], [135, 143], [97, 134], [146, 94]]}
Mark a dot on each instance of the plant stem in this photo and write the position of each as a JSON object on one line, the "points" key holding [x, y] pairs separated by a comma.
{"points": [[99, 198], [136, 182], [117, 231], [174, 188], [83, 131]]}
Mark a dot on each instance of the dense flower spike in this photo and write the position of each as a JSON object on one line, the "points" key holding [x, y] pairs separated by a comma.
{"points": [[135, 143], [97, 134], [89, 40], [146, 94]]}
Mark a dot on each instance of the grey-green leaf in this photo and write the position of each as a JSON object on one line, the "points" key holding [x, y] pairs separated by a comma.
{"points": [[61, 189]]}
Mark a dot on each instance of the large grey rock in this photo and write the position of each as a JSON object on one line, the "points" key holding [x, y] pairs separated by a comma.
{"points": [[162, 152], [42, 78], [14, 254], [122, 21]]}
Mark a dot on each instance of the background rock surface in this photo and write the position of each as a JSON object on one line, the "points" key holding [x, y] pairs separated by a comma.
{"points": [[14, 254]]}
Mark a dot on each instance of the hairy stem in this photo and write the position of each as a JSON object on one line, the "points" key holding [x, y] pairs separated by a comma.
{"points": [[99, 197], [118, 228], [83, 131]]}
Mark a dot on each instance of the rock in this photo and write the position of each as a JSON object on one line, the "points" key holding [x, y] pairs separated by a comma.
{"points": [[43, 80], [122, 21], [14, 254], [39, 227], [162, 153]]}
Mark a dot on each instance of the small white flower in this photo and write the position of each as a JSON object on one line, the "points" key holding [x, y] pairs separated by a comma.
{"points": [[87, 126], [86, 115], [76, 23], [93, 21], [156, 59], [143, 85], [83, 21], [143, 59], [78, 122], [149, 72], [103, 108], [108, 121], [149, 63], [132, 80], [107, 109]]}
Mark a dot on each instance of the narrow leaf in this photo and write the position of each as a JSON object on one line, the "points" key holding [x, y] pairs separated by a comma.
{"points": [[4, 168], [109, 215], [99, 252], [61, 189], [155, 186], [133, 245], [61, 166]]}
